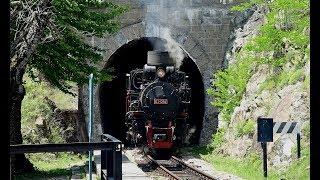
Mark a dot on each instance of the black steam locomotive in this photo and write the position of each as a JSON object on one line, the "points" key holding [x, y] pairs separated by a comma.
{"points": [[157, 103]]}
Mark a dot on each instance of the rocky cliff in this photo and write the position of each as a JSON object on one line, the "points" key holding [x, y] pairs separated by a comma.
{"points": [[274, 82]]}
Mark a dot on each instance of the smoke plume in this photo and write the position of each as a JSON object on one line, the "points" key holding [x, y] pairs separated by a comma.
{"points": [[157, 14], [175, 52]]}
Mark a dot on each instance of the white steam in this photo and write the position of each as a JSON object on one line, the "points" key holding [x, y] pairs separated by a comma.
{"points": [[159, 12], [175, 52]]}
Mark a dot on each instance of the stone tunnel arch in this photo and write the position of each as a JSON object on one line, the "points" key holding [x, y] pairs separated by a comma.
{"points": [[112, 94]]}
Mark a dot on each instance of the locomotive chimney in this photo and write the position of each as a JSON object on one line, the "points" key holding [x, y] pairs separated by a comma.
{"points": [[159, 58]]}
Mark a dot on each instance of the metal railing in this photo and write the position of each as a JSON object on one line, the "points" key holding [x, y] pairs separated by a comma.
{"points": [[111, 161], [111, 151]]}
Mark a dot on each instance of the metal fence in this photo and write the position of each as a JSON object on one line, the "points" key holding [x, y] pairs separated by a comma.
{"points": [[111, 148]]}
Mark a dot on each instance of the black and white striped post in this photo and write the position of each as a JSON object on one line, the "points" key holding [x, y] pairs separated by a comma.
{"points": [[288, 128], [266, 129]]}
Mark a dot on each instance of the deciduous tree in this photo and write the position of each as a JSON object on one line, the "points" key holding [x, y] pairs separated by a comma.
{"points": [[49, 36]]}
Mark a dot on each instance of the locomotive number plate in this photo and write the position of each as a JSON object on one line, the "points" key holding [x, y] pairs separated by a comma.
{"points": [[160, 101]]}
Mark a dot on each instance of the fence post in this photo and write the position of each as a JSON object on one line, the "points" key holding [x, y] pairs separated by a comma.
{"points": [[11, 174], [90, 122], [265, 159], [298, 144], [110, 166], [117, 162]]}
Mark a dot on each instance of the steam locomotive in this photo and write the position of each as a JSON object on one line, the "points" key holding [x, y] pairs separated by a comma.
{"points": [[157, 101]]}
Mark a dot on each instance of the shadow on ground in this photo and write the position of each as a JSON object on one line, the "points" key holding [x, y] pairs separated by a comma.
{"points": [[53, 174]]}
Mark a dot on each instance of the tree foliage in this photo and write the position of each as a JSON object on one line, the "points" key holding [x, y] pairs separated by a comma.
{"points": [[67, 57], [48, 36]]}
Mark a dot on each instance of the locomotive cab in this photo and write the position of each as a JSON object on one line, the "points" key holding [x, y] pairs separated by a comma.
{"points": [[157, 103]]}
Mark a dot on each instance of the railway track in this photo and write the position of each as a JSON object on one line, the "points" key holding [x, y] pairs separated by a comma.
{"points": [[175, 168]]}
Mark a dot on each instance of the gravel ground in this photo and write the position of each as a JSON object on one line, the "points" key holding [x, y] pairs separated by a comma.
{"points": [[207, 168], [136, 155]]}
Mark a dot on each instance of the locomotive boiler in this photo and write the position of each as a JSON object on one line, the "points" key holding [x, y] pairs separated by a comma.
{"points": [[157, 101]]}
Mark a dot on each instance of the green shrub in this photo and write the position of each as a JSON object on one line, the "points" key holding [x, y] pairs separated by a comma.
{"points": [[218, 138], [245, 5], [283, 79], [306, 83], [229, 86], [245, 128], [35, 106], [306, 131]]}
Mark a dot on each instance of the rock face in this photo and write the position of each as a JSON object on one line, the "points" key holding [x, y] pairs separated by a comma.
{"points": [[289, 102], [245, 26], [61, 126], [66, 123]]}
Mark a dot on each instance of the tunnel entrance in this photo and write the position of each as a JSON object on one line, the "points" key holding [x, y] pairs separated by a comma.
{"points": [[133, 55]]}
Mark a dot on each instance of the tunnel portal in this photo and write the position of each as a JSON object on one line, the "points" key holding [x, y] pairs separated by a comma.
{"points": [[133, 55]]}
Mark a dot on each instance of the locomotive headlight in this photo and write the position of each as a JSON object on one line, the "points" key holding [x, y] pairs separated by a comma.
{"points": [[161, 73]]}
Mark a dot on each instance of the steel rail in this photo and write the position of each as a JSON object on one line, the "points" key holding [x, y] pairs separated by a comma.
{"points": [[164, 169], [202, 174]]}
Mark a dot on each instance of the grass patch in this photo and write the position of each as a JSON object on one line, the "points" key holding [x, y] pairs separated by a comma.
{"points": [[251, 167], [45, 174], [53, 165], [49, 161]]}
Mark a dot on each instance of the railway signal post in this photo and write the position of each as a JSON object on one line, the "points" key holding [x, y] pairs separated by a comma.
{"points": [[265, 134], [266, 129]]}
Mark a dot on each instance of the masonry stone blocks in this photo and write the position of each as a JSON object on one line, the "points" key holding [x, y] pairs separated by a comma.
{"points": [[200, 27]]}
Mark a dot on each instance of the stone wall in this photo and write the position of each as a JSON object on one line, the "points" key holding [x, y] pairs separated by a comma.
{"points": [[200, 27]]}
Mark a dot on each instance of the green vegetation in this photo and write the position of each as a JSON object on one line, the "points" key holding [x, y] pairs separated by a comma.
{"points": [[251, 167], [35, 106], [282, 45], [282, 39], [227, 89], [306, 132], [49, 39], [69, 57], [306, 83], [218, 138], [61, 160], [276, 82], [245, 128], [54, 165], [246, 5]]}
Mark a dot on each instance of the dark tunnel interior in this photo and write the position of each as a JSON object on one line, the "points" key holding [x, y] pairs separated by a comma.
{"points": [[112, 94]]}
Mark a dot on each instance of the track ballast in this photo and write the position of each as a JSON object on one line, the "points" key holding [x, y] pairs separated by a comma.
{"points": [[175, 168]]}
